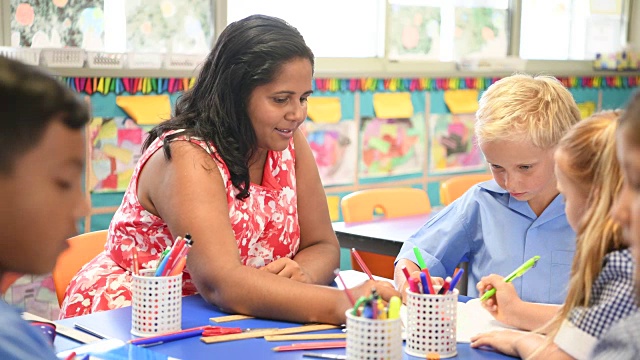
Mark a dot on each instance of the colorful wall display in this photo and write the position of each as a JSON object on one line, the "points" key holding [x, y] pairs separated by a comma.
{"points": [[452, 146], [116, 147], [334, 147]]}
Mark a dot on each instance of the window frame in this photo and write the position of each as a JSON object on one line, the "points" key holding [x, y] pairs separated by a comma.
{"points": [[378, 67]]}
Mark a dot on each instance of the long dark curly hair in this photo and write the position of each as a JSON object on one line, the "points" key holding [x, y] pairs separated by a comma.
{"points": [[249, 53]]}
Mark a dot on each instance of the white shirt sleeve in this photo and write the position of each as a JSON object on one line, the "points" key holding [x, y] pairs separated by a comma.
{"points": [[574, 341]]}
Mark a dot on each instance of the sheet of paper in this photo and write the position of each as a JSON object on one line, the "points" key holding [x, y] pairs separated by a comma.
{"points": [[393, 105], [146, 109], [354, 278], [473, 319], [461, 101], [324, 109]]}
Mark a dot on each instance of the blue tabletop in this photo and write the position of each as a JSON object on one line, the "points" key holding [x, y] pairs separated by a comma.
{"points": [[196, 312]]}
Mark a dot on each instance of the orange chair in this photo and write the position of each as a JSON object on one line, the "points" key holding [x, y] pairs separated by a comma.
{"points": [[393, 202], [82, 249], [454, 187], [7, 279]]}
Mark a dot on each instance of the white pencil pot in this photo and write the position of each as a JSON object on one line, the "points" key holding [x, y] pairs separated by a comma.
{"points": [[156, 303], [431, 324], [373, 339]]}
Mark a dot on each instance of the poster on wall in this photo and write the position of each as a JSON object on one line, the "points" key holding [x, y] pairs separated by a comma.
{"points": [[391, 146], [116, 147], [452, 144], [480, 32], [57, 23], [415, 32], [334, 148]]}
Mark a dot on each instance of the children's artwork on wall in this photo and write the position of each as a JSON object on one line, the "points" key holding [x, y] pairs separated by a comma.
{"points": [[35, 294], [334, 146], [480, 32], [452, 143], [391, 146], [117, 144], [166, 26], [415, 32], [57, 23]]}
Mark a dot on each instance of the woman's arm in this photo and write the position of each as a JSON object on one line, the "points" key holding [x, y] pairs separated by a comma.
{"points": [[188, 194], [319, 253]]}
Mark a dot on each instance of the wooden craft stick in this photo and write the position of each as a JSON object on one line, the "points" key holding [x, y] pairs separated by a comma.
{"points": [[256, 333], [222, 319], [305, 337]]}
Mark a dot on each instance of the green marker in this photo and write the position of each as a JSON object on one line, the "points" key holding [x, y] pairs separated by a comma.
{"points": [[421, 262], [515, 274]]}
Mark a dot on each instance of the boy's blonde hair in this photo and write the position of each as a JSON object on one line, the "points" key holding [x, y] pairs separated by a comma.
{"points": [[591, 154], [524, 107]]}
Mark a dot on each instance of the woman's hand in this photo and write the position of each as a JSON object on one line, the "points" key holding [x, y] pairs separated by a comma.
{"points": [[288, 268], [384, 288]]}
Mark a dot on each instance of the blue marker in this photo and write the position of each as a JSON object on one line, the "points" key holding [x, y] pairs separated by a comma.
{"points": [[455, 280], [425, 284]]}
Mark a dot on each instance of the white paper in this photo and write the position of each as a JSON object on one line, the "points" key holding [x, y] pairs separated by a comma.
{"points": [[354, 278], [473, 319]]}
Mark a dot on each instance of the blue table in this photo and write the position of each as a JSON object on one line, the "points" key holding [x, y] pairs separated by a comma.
{"points": [[196, 312]]}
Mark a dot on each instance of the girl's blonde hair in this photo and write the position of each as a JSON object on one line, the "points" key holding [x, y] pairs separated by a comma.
{"points": [[524, 107], [591, 154]]}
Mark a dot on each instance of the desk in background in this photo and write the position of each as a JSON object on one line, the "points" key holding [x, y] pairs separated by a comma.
{"points": [[384, 236], [196, 312]]}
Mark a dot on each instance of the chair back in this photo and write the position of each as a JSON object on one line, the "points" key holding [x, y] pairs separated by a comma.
{"points": [[454, 187], [393, 202], [360, 205], [82, 249]]}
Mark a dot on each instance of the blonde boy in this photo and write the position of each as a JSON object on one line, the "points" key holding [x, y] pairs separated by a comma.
{"points": [[499, 224], [41, 162]]}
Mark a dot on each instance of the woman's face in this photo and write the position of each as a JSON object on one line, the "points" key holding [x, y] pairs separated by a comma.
{"points": [[278, 108]]}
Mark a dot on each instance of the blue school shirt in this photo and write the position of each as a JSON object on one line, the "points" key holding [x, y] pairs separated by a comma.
{"points": [[20, 340], [496, 234]]}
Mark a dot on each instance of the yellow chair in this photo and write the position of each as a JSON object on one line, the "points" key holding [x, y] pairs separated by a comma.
{"points": [[454, 187], [82, 249], [359, 206]]}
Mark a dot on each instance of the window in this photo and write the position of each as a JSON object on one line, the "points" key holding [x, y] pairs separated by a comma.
{"points": [[331, 28], [448, 30], [573, 29], [178, 26]]}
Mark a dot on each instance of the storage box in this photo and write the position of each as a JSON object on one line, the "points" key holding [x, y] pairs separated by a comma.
{"points": [[28, 56], [104, 60], [63, 58]]}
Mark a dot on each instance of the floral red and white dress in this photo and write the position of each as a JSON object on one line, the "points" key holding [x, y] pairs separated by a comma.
{"points": [[265, 225]]}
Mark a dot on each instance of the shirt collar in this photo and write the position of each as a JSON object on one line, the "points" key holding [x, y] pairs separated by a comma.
{"points": [[553, 210]]}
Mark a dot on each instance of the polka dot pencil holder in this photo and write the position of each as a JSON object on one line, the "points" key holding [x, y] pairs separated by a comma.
{"points": [[369, 339], [431, 324], [156, 303]]}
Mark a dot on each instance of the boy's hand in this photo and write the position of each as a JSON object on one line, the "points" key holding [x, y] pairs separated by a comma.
{"points": [[288, 268], [435, 281], [503, 304]]}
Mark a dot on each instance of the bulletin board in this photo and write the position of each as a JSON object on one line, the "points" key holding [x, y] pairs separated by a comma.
{"points": [[423, 143]]}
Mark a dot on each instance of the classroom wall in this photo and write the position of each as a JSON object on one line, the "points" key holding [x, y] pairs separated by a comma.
{"points": [[356, 98]]}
